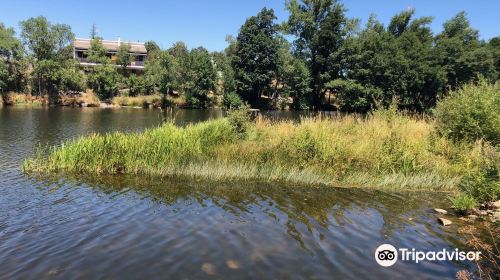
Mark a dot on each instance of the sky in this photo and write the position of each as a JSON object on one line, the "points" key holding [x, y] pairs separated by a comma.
{"points": [[207, 22]]}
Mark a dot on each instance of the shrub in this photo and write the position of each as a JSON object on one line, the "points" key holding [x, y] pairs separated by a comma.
{"points": [[105, 81], [353, 97], [471, 113], [232, 100], [239, 119], [136, 85]]}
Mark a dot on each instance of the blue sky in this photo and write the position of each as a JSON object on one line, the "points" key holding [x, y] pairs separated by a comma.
{"points": [[207, 22]]}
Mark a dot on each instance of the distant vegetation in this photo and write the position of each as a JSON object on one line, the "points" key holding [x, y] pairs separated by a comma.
{"points": [[330, 62]]}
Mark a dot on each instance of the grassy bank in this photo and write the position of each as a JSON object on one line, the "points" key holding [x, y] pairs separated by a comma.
{"points": [[384, 150]]}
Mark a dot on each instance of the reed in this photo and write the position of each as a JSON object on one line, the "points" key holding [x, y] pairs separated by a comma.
{"points": [[384, 150]]}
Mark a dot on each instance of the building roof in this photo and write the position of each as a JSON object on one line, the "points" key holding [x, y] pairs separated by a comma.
{"points": [[135, 47]]}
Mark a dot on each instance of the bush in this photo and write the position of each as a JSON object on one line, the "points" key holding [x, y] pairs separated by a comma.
{"points": [[471, 113], [136, 85], [105, 81], [232, 100], [463, 203], [353, 97], [239, 119]]}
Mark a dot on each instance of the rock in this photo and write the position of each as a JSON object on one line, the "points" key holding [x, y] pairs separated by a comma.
{"points": [[444, 222], [440, 211], [479, 212], [496, 217], [472, 217], [496, 204]]}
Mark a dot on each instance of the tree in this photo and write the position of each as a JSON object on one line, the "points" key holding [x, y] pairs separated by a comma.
{"points": [[225, 73], [49, 48], [320, 27], [93, 31], [104, 80], [298, 84], [13, 66], [183, 79], [460, 53], [256, 59], [353, 97], [123, 56], [151, 47], [46, 41], [97, 53], [164, 74], [204, 77]]}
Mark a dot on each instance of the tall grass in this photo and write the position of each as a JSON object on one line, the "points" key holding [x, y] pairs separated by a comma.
{"points": [[137, 101], [384, 150]]}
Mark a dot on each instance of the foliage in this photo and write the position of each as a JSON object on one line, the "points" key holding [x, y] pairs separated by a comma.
{"points": [[97, 53], [225, 74], [320, 28], [232, 100], [105, 81], [353, 97], [151, 47], [239, 118], [461, 55], [203, 77], [255, 61], [463, 203], [471, 113], [298, 84], [46, 41], [138, 85], [13, 66], [123, 56], [49, 47]]}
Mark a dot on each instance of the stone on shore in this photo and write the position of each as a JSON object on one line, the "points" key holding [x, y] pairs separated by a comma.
{"points": [[440, 211], [496, 204], [444, 222]]}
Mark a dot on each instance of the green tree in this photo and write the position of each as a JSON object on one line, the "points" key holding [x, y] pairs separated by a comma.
{"points": [[97, 53], [255, 61], [204, 77], [460, 53], [46, 41], [49, 48], [13, 66], [298, 84], [151, 47], [104, 80], [183, 79], [225, 73], [123, 56], [320, 27]]}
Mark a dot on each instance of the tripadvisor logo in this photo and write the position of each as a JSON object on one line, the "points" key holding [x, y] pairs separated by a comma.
{"points": [[387, 255]]}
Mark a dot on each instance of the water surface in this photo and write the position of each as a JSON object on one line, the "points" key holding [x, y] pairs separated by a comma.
{"points": [[138, 228]]}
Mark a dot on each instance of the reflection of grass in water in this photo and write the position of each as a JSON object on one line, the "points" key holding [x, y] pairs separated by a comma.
{"points": [[386, 150], [295, 207]]}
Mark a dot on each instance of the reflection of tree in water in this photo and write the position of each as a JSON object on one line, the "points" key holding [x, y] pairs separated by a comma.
{"points": [[315, 208]]}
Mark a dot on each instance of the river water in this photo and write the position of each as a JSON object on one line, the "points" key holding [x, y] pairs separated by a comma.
{"points": [[140, 228]]}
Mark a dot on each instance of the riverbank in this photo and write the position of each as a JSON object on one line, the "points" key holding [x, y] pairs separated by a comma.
{"points": [[89, 99], [386, 150]]}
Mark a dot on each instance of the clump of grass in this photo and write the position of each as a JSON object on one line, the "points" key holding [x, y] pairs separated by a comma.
{"points": [[16, 98], [137, 101], [463, 203], [376, 151], [90, 98]]}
